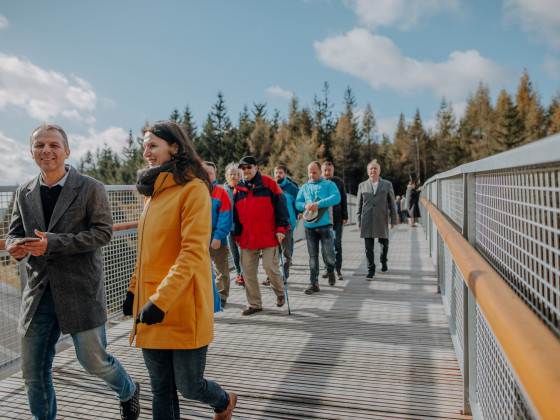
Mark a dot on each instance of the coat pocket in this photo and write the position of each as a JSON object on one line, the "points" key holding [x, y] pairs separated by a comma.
{"points": [[151, 280]]}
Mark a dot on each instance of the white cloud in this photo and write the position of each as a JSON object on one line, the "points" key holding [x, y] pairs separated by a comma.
{"points": [[44, 94], [4, 22], [552, 67], [278, 91], [378, 61], [401, 13], [538, 16], [18, 166], [114, 137]]}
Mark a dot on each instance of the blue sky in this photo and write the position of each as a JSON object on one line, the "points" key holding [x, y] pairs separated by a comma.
{"points": [[101, 68]]}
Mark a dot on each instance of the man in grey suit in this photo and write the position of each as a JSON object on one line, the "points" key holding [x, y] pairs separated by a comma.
{"points": [[376, 202], [67, 215]]}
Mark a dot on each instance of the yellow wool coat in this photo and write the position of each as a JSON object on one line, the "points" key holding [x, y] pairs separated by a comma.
{"points": [[173, 268]]}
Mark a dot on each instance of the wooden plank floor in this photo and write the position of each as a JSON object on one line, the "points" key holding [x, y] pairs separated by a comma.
{"points": [[358, 350]]}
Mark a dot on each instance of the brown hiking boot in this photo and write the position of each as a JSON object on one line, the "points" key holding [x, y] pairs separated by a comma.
{"points": [[226, 414]]}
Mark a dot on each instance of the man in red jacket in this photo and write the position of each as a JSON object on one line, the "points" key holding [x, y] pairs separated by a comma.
{"points": [[261, 219]]}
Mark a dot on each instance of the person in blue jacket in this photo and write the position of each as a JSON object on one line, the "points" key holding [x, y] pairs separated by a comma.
{"points": [[290, 190], [221, 226], [315, 199]]}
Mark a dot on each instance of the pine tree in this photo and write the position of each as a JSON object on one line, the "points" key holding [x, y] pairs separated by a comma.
{"points": [[175, 116], [478, 125], [347, 147], [553, 116], [188, 124], [260, 141], [217, 138], [369, 134], [323, 124], [445, 138], [132, 160], [511, 131], [530, 110]]}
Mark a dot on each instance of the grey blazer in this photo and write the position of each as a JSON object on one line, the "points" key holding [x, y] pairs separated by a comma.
{"points": [[373, 210], [80, 225]]}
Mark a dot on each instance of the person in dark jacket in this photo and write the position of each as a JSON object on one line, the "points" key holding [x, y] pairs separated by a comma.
{"points": [[69, 217], [413, 195], [261, 219], [290, 190], [340, 218]]}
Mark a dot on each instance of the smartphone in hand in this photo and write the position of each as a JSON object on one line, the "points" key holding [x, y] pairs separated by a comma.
{"points": [[21, 241]]}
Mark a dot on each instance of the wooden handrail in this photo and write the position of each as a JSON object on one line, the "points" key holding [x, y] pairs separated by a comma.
{"points": [[117, 227], [530, 346]]}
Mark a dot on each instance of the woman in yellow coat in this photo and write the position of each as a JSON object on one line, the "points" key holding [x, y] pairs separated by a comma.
{"points": [[171, 292]]}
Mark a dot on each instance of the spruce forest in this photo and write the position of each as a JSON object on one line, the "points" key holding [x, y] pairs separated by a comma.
{"points": [[318, 132]]}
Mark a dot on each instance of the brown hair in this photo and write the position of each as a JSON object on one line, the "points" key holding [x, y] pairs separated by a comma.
{"points": [[187, 164], [47, 127]]}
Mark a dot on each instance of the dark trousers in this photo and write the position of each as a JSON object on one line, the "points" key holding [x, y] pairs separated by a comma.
{"points": [[337, 241], [384, 242]]}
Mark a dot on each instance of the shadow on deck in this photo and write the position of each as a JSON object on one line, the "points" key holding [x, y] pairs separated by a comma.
{"points": [[357, 350]]}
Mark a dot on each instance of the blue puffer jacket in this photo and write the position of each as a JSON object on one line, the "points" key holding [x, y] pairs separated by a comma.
{"points": [[325, 193], [290, 191], [221, 214], [229, 191]]}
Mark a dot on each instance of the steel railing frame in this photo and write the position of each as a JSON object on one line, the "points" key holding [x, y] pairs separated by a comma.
{"points": [[488, 342]]}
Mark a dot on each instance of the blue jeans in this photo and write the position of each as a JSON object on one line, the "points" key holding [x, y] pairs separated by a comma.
{"points": [[324, 235], [337, 238], [183, 370], [37, 354], [234, 254]]}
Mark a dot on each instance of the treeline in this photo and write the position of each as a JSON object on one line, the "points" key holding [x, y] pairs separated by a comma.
{"points": [[351, 141]]}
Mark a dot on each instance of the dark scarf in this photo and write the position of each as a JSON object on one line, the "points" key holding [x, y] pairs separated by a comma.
{"points": [[147, 177]]}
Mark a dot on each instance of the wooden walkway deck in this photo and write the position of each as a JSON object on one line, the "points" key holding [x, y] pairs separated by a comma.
{"points": [[358, 350]]}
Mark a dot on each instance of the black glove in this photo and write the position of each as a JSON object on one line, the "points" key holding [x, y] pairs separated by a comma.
{"points": [[128, 303], [150, 314]]}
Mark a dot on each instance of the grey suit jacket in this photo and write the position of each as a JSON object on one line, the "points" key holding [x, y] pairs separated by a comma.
{"points": [[80, 225], [373, 210]]}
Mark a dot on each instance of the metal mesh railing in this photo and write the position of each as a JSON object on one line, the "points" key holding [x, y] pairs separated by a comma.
{"points": [[453, 298], [498, 392], [452, 200], [518, 231], [508, 208], [119, 259]]}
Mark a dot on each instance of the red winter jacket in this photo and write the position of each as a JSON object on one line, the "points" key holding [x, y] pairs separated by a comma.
{"points": [[259, 212]]}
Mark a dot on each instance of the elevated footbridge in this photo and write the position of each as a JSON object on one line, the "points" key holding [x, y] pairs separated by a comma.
{"points": [[465, 324]]}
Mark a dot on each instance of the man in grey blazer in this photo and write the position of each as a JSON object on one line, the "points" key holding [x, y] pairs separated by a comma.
{"points": [[375, 204], [68, 216]]}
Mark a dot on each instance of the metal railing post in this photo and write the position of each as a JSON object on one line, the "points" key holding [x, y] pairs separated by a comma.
{"points": [[469, 303]]}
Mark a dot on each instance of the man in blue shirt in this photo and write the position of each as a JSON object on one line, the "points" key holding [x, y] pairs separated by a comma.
{"points": [[315, 199]]}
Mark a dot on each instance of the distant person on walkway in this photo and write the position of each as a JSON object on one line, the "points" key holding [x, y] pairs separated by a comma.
{"points": [[221, 225], [413, 195], [290, 190], [171, 292], [403, 209], [233, 175], [340, 217], [375, 205], [316, 198], [69, 217], [261, 221]]}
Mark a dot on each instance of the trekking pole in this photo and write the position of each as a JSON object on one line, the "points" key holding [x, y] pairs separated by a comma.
{"points": [[284, 277]]}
